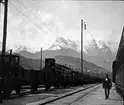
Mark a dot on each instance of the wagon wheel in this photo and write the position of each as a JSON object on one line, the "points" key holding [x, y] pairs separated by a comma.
{"points": [[47, 86], [17, 85], [32, 90], [18, 89], [7, 91], [7, 86], [58, 86]]}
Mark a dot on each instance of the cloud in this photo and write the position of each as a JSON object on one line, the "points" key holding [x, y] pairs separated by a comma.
{"points": [[62, 18], [51, 21], [71, 33], [22, 32]]}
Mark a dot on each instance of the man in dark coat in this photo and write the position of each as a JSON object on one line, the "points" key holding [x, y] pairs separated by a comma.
{"points": [[107, 86]]}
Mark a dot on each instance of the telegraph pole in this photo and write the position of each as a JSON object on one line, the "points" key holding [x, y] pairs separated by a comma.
{"points": [[81, 46], [4, 33], [41, 60], [5, 26]]}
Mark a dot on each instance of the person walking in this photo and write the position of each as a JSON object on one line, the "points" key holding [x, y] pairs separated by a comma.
{"points": [[107, 84]]}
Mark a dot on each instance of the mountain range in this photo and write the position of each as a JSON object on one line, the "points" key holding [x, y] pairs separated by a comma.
{"points": [[97, 52], [72, 62]]}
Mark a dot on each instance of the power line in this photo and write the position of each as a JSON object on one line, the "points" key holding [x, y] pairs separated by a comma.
{"points": [[40, 16], [42, 22], [28, 18], [34, 14], [26, 7], [36, 9], [22, 4]]}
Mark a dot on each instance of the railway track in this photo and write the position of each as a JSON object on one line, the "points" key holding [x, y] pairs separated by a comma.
{"points": [[54, 99], [85, 94], [42, 97], [27, 90]]}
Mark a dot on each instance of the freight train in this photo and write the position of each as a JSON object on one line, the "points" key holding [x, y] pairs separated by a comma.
{"points": [[118, 67], [13, 76]]}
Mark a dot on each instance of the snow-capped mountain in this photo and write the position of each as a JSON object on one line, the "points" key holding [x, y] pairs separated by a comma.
{"points": [[90, 47], [113, 46], [95, 51], [17, 48], [98, 52], [61, 42], [105, 51]]}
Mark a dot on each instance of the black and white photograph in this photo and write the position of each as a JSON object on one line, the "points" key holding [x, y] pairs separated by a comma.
{"points": [[61, 52]]}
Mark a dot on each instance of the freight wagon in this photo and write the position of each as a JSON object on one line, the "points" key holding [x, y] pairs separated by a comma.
{"points": [[14, 76], [118, 67]]}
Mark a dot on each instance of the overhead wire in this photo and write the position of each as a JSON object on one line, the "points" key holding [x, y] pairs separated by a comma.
{"points": [[28, 10], [27, 17], [40, 16], [26, 6], [37, 10]]}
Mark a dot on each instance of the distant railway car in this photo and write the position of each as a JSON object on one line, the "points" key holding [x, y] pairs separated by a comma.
{"points": [[14, 76], [118, 67], [10, 73], [56, 74]]}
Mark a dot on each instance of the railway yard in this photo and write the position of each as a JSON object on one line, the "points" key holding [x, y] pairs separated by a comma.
{"points": [[91, 94], [65, 73], [42, 97]]}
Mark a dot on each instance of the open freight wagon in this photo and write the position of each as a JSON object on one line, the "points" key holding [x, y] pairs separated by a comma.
{"points": [[14, 76]]}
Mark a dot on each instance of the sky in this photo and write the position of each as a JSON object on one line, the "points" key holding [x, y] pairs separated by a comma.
{"points": [[37, 23]]}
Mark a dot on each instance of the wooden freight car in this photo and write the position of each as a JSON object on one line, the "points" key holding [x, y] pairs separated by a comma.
{"points": [[10, 74], [14, 76], [118, 67]]}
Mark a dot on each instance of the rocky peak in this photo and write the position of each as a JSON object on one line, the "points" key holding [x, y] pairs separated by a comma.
{"points": [[90, 45], [61, 42]]}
